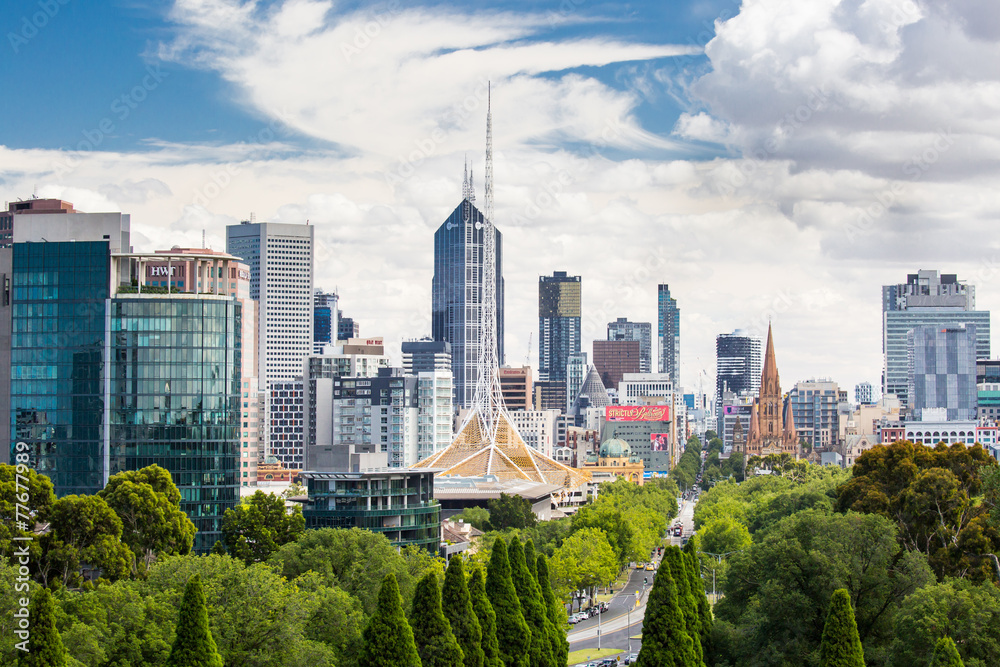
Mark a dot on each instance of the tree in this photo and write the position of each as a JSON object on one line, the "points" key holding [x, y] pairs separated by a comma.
{"points": [[665, 641], [337, 622], [193, 645], [723, 535], [530, 597], [436, 643], [45, 647], [148, 504], [486, 616], [255, 528], [83, 530], [388, 637], [555, 611], [478, 517], [510, 511], [513, 633], [841, 646], [584, 560], [457, 606], [676, 566], [946, 654], [698, 591], [39, 500]]}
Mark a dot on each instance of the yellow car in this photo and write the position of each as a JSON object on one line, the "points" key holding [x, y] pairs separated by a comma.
{"points": [[650, 568]]}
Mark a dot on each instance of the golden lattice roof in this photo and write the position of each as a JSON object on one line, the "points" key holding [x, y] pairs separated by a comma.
{"points": [[471, 455]]}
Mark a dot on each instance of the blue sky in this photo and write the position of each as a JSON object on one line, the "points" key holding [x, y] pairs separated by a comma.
{"points": [[770, 160]]}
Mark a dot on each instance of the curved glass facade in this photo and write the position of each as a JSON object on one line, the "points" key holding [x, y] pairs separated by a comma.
{"points": [[174, 398]]}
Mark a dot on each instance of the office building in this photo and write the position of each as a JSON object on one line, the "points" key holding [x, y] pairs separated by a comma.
{"points": [[326, 320], [576, 373], [614, 358], [125, 375], [942, 370], [864, 393], [926, 299], [456, 290], [559, 311], [33, 206], [668, 334], [987, 370], [635, 387], [285, 427], [425, 355], [6, 281], [515, 384], [815, 405], [737, 367], [347, 328], [549, 395], [280, 257], [538, 429], [396, 503], [648, 431], [622, 329]]}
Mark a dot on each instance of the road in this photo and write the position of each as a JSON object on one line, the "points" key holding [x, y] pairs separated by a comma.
{"points": [[624, 620]]}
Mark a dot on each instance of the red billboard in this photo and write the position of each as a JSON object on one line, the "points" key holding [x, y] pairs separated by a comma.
{"points": [[659, 442], [637, 413]]}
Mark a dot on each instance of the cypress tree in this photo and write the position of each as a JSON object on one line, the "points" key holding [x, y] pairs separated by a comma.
{"points": [[530, 559], [486, 616], [841, 645], [946, 654], [557, 616], [457, 606], [676, 563], [45, 647], [530, 597], [193, 644], [436, 643], [698, 590], [665, 641], [388, 639], [513, 633]]}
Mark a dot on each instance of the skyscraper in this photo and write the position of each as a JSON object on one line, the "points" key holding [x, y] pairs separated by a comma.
{"points": [[614, 358], [942, 370], [668, 334], [426, 355], [622, 329], [559, 307], [926, 299], [456, 292], [325, 320], [280, 257], [737, 367]]}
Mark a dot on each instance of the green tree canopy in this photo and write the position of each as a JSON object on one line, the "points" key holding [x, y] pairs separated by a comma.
{"points": [[83, 530], [674, 564], [841, 646], [510, 511], [555, 611], [478, 517], [38, 501], [530, 597], [486, 616], [193, 644], [513, 633], [946, 654], [457, 606], [255, 528], [584, 560], [665, 641], [388, 638], [45, 647], [723, 535], [436, 643], [148, 504]]}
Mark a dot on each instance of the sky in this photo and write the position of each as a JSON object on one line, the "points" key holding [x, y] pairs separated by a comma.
{"points": [[769, 160]]}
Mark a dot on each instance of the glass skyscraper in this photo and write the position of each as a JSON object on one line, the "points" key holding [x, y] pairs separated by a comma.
{"points": [[942, 370], [668, 334], [737, 367], [559, 313], [457, 293], [622, 329]]}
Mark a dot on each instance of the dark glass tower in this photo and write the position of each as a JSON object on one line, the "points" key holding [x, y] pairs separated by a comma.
{"points": [[559, 312], [456, 294], [669, 334]]}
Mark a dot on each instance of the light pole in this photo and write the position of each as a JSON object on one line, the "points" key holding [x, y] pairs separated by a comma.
{"points": [[718, 558], [628, 619]]}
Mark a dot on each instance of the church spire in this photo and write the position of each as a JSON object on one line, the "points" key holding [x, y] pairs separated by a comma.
{"points": [[770, 371]]}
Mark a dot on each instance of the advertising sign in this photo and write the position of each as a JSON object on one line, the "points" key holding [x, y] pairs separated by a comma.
{"points": [[659, 442], [637, 413]]}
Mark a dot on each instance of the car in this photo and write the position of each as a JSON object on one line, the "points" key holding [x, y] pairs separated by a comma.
{"points": [[631, 657], [576, 618], [650, 568], [608, 662]]}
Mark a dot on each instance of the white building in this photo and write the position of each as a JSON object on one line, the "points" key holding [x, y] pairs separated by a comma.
{"points": [[538, 428], [434, 412], [934, 428]]}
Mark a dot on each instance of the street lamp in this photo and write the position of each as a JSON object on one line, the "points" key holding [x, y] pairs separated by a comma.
{"points": [[718, 558], [628, 620]]}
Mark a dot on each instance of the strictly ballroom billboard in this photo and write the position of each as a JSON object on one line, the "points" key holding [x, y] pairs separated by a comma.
{"points": [[637, 413]]}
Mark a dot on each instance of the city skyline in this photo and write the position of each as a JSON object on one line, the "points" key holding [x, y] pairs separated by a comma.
{"points": [[628, 152]]}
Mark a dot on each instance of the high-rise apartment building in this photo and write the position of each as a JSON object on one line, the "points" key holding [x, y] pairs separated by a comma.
{"points": [[668, 334], [126, 374], [515, 383], [347, 328], [864, 393], [614, 358], [559, 310], [420, 356], [737, 366], [942, 370], [280, 257], [456, 310], [815, 411], [325, 320], [622, 329], [576, 373], [926, 299]]}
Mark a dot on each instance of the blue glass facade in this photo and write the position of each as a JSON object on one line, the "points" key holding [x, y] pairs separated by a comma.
{"points": [[456, 294], [175, 399], [59, 291], [323, 324], [559, 314], [668, 330]]}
